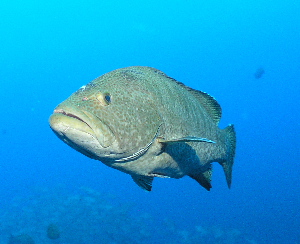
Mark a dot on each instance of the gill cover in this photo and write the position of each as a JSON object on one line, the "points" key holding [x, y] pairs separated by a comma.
{"points": [[102, 132]]}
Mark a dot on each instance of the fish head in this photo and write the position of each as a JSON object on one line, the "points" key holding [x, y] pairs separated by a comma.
{"points": [[110, 118]]}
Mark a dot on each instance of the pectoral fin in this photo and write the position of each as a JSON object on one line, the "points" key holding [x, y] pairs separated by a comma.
{"points": [[145, 182], [186, 139]]}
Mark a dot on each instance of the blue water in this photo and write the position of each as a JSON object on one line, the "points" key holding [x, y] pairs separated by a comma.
{"points": [[51, 48]]}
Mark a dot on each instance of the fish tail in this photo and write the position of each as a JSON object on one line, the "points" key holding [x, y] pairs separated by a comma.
{"points": [[230, 152]]}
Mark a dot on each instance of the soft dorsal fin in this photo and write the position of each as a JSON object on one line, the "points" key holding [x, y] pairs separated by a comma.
{"points": [[210, 104]]}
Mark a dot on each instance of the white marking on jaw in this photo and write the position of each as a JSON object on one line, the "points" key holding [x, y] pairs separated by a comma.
{"points": [[66, 129]]}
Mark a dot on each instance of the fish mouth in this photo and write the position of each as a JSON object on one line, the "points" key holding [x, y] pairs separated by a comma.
{"points": [[60, 111], [63, 119]]}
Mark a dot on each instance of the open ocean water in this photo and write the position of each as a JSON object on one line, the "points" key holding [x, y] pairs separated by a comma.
{"points": [[244, 53]]}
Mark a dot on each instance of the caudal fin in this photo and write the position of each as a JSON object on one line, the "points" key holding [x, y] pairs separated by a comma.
{"points": [[230, 148]]}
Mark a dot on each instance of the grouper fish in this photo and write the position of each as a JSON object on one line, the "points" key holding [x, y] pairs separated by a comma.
{"points": [[146, 124]]}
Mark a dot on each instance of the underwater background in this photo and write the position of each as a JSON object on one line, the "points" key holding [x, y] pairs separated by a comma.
{"points": [[244, 53]]}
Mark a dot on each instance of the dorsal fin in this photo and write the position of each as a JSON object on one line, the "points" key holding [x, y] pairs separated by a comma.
{"points": [[210, 104]]}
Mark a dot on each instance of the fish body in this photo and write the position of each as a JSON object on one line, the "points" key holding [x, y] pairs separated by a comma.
{"points": [[146, 124]]}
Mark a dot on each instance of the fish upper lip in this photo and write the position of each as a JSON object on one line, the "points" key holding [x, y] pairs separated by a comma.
{"points": [[99, 129], [61, 111]]}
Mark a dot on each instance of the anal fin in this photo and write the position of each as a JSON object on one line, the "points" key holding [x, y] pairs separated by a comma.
{"points": [[203, 178], [145, 182]]}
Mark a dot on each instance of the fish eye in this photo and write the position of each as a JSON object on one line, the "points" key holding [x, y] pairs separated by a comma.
{"points": [[103, 98], [107, 98]]}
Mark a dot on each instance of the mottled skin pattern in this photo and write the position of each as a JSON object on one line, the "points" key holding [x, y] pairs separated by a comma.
{"points": [[140, 110]]}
